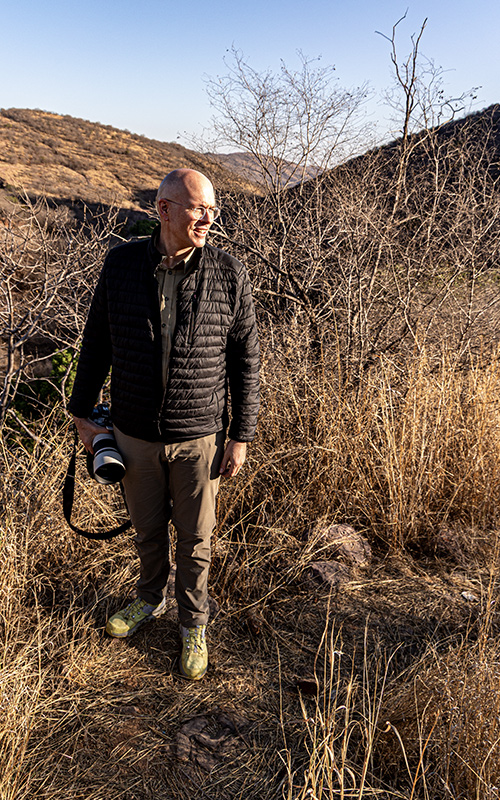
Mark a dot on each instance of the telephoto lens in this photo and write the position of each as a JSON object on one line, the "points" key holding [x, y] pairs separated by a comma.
{"points": [[108, 466]]}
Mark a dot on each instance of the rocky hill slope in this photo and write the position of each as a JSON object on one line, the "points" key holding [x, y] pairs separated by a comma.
{"points": [[70, 159]]}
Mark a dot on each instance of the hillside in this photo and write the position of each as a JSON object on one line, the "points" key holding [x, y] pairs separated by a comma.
{"points": [[67, 158], [477, 133]]}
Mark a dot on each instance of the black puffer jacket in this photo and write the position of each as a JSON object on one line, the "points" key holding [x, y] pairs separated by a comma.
{"points": [[215, 347]]}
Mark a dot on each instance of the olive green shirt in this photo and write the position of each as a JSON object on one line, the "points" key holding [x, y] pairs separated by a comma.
{"points": [[168, 281]]}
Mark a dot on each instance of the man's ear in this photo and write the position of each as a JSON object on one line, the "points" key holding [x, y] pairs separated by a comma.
{"points": [[163, 209]]}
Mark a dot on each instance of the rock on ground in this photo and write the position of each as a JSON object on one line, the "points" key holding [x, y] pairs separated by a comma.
{"points": [[345, 543]]}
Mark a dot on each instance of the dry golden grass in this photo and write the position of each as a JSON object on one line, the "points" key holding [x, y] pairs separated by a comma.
{"points": [[382, 688], [399, 456]]}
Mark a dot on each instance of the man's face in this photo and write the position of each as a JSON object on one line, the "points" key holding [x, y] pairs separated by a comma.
{"points": [[182, 229]]}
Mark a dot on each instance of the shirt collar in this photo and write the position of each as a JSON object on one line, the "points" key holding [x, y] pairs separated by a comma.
{"points": [[155, 257], [158, 258], [180, 264]]}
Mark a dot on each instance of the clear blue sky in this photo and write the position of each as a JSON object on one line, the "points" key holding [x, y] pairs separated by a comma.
{"points": [[141, 65]]}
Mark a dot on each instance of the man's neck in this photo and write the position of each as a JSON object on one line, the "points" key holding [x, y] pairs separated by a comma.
{"points": [[172, 259]]}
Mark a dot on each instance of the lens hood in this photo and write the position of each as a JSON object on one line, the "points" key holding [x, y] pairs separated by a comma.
{"points": [[107, 462]]}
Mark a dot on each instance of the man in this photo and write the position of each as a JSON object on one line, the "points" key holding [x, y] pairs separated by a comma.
{"points": [[174, 319]]}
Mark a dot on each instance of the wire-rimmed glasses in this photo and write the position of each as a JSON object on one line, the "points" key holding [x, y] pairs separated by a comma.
{"points": [[198, 212]]}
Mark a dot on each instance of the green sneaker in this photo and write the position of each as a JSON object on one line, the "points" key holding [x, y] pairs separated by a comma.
{"points": [[193, 662], [130, 618]]}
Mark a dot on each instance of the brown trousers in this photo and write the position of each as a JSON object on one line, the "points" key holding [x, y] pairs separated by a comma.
{"points": [[176, 482]]}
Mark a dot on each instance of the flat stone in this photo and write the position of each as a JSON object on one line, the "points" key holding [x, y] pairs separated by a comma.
{"points": [[186, 734], [351, 547], [209, 741]]}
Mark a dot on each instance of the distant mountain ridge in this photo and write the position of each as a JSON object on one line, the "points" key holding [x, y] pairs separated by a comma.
{"points": [[249, 167], [480, 127]]}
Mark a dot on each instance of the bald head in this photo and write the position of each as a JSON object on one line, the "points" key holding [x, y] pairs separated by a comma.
{"points": [[181, 184], [181, 195]]}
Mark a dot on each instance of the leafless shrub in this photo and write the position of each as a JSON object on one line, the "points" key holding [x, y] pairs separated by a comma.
{"points": [[48, 269], [390, 252], [297, 117]]}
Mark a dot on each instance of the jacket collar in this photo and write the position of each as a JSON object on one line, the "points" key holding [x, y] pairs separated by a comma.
{"points": [[155, 256]]}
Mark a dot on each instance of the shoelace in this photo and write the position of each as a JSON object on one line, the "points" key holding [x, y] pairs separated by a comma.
{"points": [[194, 639], [133, 608]]}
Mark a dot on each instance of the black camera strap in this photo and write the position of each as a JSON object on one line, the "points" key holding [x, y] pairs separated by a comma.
{"points": [[68, 493]]}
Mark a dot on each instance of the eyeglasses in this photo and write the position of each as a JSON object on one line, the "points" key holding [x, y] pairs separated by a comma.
{"points": [[198, 212]]}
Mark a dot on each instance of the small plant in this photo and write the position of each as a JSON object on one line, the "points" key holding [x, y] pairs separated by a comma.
{"points": [[40, 395], [143, 227]]}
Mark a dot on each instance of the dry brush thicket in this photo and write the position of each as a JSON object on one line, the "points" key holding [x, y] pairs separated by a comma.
{"points": [[49, 266], [371, 261], [377, 290], [385, 687]]}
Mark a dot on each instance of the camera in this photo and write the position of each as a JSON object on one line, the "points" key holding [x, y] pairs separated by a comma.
{"points": [[106, 464]]}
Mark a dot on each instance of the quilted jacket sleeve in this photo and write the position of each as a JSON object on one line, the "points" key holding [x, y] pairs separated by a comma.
{"points": [[242, 363], [95, 355]]}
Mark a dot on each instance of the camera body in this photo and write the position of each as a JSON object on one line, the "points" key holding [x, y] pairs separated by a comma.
{"points": [[106, 464]]}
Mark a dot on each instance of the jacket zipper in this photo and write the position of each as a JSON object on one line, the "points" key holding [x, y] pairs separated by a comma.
{"points": [[192, 316]]}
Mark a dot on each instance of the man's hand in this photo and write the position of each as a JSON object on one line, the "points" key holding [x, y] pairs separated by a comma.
{"points": [[87, 430], [233, 458]]}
